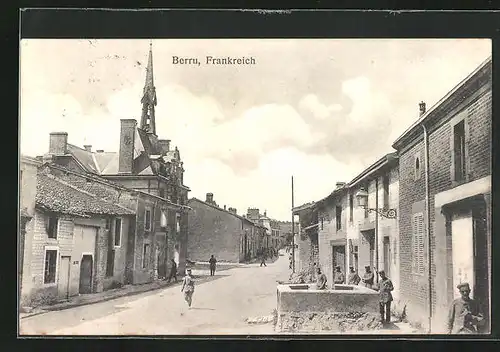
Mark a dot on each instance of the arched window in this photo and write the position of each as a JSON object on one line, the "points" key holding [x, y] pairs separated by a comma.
{"points": [[417, 168]]}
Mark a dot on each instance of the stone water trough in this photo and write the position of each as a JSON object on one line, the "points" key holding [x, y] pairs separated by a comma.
{"points": [[301, 307]]}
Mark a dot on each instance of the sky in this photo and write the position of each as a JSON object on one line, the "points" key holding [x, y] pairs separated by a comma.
{"points": [[321, 110]]}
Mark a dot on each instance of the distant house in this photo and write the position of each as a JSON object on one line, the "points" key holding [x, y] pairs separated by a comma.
{"points": [[65, 254], [221, 232], [148, 165]]}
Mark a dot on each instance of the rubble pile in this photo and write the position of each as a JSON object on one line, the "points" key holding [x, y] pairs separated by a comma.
{"points": [[301, 277], [335, 322]]}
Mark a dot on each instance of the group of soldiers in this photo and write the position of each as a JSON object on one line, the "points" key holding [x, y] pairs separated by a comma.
{"points": [[384, 287], [465, 316]]}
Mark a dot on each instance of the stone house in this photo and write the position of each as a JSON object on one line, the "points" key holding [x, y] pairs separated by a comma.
{"points": [[221, 232], [28, 168], [306, 238], [149, 166], [445, 201], [373, 236], [65, 250], [332, 231]]}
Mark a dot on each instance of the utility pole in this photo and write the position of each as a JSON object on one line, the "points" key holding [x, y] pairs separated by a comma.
{"points": [[293, 234]]}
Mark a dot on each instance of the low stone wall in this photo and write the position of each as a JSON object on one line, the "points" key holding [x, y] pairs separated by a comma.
{"points": [[343, 308]]}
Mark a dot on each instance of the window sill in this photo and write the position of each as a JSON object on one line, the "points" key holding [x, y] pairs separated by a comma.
{"points": [[52, 284]]}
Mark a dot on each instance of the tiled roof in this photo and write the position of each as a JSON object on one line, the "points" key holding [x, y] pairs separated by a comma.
{"points": [[58, 196]]}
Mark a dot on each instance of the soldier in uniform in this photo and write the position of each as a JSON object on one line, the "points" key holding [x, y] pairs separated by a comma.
{"points": [[368, 277], [465, 316], [339, 277], [353, 277], [385, 288], [188, 287], [321, 280]]}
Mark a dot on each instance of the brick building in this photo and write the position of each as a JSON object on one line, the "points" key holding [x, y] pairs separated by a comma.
{"points": [[149, 166], [221, 232], [445, 201], [65, 249]]}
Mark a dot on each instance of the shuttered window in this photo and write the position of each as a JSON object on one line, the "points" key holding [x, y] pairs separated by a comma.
{"points": [[418, 244]]}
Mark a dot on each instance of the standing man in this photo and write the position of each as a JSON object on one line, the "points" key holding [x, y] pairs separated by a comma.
{"points": [[321, 280], [385, 288], [212, 262], [368, 277], [173, 271], [188, 287], [353, 277], [339, 277], [263, 258], [465, 316]]}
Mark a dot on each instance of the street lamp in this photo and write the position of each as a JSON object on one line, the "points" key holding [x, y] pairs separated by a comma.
{"points": [[362, 197]]}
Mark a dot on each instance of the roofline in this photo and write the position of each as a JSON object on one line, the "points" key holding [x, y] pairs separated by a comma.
{"points": [[225, 211], [57, 179], [30, 160], [450, 94], [373, 168]]}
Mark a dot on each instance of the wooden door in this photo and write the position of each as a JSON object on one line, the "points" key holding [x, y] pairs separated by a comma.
{"points": [[86, 266], [64, 272]]}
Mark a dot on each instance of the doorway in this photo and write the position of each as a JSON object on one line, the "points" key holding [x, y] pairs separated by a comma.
{"points": [[339, 257], [63, 282], [387, 255], [481, 261], [86, 272]]}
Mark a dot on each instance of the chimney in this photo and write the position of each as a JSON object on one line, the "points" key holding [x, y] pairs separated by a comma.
{"points": [[339, 185], [210, 198], [127, 136], [265, 213], [422, 108], [163, 145], [224, 206], [58, 143], [99, 151], [88, 147]]}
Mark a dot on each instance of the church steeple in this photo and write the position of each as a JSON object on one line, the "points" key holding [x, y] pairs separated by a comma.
{"points": [[148, 100]]}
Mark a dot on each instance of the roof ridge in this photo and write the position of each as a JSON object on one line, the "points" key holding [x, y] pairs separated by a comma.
{"points": [[57, 179]]}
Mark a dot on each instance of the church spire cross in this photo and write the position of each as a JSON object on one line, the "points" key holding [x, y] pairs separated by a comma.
{"points": [[148, 100]]}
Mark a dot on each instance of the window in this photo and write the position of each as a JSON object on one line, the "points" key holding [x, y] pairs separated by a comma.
{"points": [[351, 207], [162, 192], [385, 182], [418, 244], [145, 255], [338, 217], [417, 168], [52, 223], [459, 150], [50, 266], [118, 232], [147, 220]]}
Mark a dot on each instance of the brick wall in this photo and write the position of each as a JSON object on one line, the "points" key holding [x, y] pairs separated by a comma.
{"points": [[213, 231], [478, 118], [413, 287], [476, 111]]}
